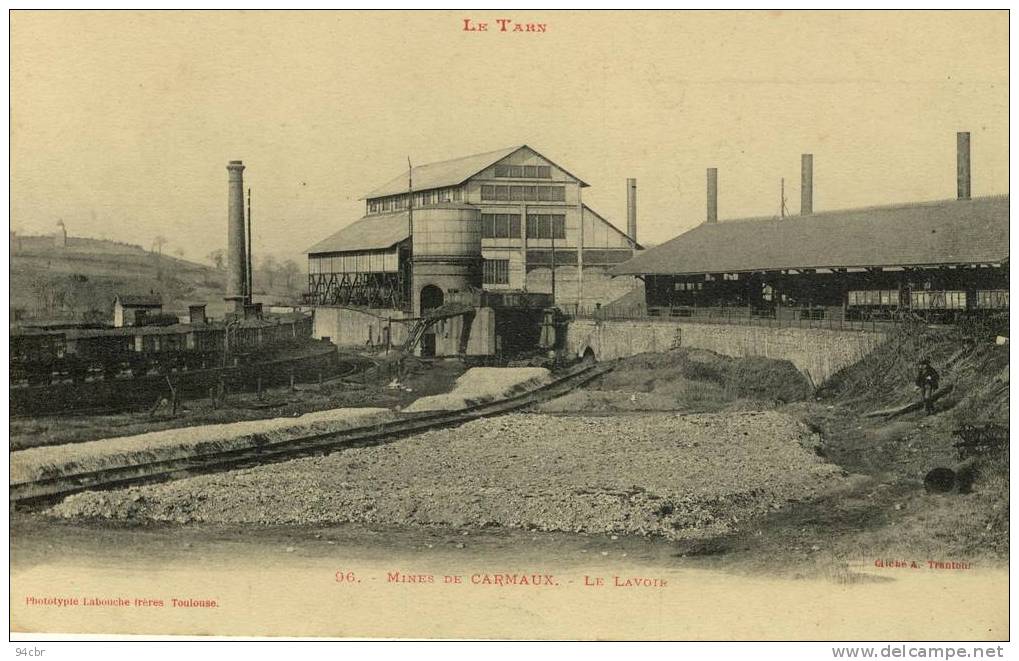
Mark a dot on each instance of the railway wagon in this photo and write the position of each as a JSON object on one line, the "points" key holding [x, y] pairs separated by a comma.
{"points": [[35, 354], [78, 354], [932, 304]]}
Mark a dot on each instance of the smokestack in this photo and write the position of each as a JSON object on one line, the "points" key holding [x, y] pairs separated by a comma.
{"points": [[712, 195], [806, 184], [631, 209], [962, 163], [236, 261]]}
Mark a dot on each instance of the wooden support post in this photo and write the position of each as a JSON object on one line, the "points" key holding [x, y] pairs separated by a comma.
{"points": [[173, 395], [258, 387], [292, 380]]}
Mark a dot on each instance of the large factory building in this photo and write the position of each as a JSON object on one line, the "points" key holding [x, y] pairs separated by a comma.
{"points": [[504, 225], [937, 261]]}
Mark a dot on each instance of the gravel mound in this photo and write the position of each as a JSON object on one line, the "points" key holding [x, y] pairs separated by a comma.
{"points": [[56, 460], [481, 384], [687, 380], [613, 400], [653, 474]]}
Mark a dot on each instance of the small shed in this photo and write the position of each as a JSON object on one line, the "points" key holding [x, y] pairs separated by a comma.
{"points": [[129, 309]]}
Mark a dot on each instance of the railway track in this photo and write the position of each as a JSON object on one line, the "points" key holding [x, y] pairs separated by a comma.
{"points": [[42, 491]]}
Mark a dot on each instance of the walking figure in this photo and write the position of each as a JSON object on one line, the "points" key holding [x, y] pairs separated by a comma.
{"points": [[927, 380]]}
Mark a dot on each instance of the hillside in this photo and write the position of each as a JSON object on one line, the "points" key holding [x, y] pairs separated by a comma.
{"points": [[78, 281]]}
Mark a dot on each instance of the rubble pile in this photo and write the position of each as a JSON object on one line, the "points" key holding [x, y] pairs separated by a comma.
{"points": [[482, 384], [645, 474], [56, 460], [686, 379]]}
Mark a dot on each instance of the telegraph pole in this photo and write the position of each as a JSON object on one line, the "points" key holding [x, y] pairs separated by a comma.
{"points": [[580, 249], [250, 281], [410, 232]]}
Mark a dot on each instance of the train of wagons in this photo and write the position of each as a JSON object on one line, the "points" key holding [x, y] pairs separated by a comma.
{"points": [[41, 356]]}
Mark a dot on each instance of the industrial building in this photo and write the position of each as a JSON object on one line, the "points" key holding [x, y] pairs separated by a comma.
{"points": [[933, 260], [130, 310], [525, 210], [504, 227]]}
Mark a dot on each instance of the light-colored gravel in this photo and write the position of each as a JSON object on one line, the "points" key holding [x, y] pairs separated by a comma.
{"points": [[661, 474], [481, 384], [55, 460]]}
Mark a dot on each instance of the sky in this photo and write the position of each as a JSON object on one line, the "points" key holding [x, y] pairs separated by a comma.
{"points": [[123, 122]]}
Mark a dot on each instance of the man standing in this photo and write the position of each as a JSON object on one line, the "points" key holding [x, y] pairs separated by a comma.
{"points": [[927, 380]]}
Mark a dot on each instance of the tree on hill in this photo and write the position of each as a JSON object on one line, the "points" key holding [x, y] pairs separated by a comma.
{"points": [[217, 257], [158, 244], [290, 270], [269, 270]]}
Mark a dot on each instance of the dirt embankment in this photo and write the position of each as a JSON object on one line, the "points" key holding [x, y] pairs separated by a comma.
{"points": [[896, 452], [656, 474], [687, 380]]}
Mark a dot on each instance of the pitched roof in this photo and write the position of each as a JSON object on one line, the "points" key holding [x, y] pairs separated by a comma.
{"points": [[140, 300], [943, 232], [611, 226], [376, 232], [451, 173]]}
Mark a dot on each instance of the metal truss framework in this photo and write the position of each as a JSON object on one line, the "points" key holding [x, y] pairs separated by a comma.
{"points": [[375, 290]]}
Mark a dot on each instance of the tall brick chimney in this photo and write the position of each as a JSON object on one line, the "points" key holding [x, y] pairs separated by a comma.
{"points": [[806, 184], [631, 209], [962, 164], [712, 195], [236, 259]]}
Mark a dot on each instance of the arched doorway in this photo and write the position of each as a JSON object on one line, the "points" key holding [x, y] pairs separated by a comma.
{"points": [[431, 298]]}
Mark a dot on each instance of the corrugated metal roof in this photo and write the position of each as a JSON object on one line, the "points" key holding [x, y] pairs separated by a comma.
{"points": [[611, 226], [375, 232], [943, 232], [452, 173], [444, 173]]}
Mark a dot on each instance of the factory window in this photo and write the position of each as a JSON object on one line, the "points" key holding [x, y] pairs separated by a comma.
{"points": [[524, 193], [551, 193], [496, 272], [495, 193], [689, 286], [451, 194], [500, 225], [523, 171], [542, 226]]}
